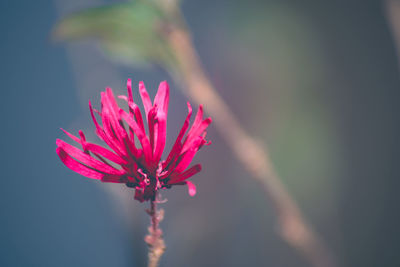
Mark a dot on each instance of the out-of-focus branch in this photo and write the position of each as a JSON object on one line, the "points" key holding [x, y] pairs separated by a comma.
{"points": [[293, 228], [393, 17]]}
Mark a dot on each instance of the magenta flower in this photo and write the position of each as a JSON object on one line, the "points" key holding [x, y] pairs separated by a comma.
{"points": [[139, 167]]}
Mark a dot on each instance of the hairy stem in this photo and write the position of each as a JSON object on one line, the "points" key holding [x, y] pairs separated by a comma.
{"points": [[293, 228], [154, 239]]}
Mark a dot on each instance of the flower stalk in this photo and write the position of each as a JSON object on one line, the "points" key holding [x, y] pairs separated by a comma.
{"points": [[154, 239]]}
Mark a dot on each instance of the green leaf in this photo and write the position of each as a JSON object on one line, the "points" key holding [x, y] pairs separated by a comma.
{"points": [[128, 32]]}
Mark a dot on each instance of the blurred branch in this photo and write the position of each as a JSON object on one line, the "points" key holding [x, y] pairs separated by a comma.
{"points": [[393, 17], [293, 228]]}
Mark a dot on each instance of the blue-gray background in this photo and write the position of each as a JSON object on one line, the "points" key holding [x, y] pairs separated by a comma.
{"points": [[317, 81]]}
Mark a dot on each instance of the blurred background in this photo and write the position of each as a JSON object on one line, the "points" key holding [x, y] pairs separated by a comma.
{"points": [[316, 81]]}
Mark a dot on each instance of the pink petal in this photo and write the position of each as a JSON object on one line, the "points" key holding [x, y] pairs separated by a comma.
{"points": [[152, 124], [129, 89], [178, 143], [112, 122], [115, 116], [161, 135], [145, 98], [134, 111], [197, 120], [73, 137], [107, 178], [190, 139], [143, 139], [162, 101], [98, 128], [82, 135], [129, 99], [77, 166], [100, 132], [123, 97], [162, 97], [86, 159], [177, 178], [84, 170], [109, 135], [96, 149], [188, 156], [191, 188], [83, 141], [138, 115]]}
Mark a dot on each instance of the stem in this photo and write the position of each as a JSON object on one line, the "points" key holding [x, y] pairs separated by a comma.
{"points": [[293, 228], [154, 239]]}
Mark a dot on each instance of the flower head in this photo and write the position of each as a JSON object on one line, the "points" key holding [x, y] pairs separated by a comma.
{"points": [[134, 156]]}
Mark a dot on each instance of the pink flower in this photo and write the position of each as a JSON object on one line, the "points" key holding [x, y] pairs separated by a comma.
{"points": [[125, 162]]}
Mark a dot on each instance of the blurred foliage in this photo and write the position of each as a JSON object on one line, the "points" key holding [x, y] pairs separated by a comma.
{"points": [[286, 71], [130, 32]]}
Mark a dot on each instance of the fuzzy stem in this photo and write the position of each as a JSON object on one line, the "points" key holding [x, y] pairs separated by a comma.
{"points": [[154, 239], [189, 71]]}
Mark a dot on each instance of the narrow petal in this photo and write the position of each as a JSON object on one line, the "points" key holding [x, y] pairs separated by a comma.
{"points": [[77, 166], [145, 98], [109, 135], [129, 89], [162, 101], [96, 149], [100, 132], [114, 112], [162, 97], [161, 135], [177, 178], [190, 139], [86, 159], [98, 127], [197, 120], [73, 137], [108, 178], [191, 188], [178, 142], [188, 156], [123, 97], [134, 111], [138, 115], [152, 125], [83, 141], [144, 141], [112, 122]]}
